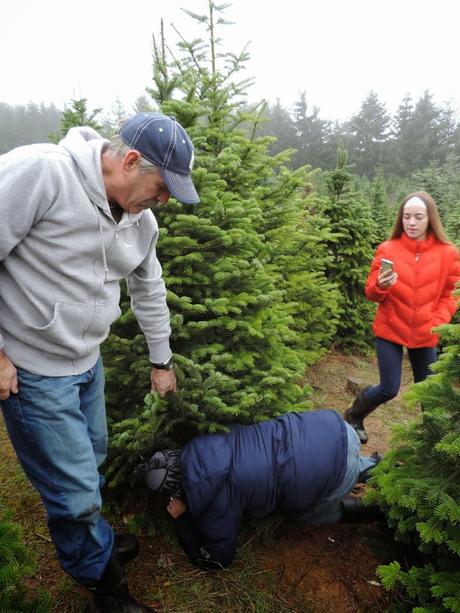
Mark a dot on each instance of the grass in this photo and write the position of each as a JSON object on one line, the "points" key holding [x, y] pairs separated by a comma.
{"points": [[242, 588]]}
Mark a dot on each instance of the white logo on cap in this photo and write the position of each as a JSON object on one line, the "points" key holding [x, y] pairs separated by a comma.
{"points": [[192, 159]]}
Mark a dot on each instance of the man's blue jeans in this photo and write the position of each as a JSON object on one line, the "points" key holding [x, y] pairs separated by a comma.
{"points": [[327, 510], [58, 428]]}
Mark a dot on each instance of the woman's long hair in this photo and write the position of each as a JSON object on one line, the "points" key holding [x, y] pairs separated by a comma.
{"points": [[434, 220]]}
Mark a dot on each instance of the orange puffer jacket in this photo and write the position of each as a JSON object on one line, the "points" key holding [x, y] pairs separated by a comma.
{"points": [[422, 297]]}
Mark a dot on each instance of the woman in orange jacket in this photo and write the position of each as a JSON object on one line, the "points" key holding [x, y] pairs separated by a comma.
{"points": [[412, 277]]}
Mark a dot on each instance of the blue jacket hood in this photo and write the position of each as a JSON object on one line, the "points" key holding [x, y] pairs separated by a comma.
{"points": [[208, 463]]}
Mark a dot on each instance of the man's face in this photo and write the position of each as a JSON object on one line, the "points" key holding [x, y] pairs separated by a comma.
{"points": [[135, 191]]}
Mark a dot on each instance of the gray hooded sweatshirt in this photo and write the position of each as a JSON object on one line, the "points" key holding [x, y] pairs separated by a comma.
{"points": [[62, 256]]}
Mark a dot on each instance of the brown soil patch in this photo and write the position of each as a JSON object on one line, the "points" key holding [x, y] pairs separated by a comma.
{"points": [[329, 568]]}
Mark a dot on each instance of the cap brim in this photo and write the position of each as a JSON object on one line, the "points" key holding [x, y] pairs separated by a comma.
{"points": [[180, 187]]}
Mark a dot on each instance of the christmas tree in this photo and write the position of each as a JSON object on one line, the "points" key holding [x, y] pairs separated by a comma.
{"points": [[381, 212], [419, 482], [15, 564], [232, 266], [350, 245]]}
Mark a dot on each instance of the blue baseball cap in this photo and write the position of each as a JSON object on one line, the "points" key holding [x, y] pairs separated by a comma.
{"points": [[164, 142]]}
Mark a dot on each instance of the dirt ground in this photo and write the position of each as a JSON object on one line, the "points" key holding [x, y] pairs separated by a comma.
{"points": [[307, 569]]}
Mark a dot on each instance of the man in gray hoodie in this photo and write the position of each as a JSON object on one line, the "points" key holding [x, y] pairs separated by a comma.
{"points": [[75, 220]]}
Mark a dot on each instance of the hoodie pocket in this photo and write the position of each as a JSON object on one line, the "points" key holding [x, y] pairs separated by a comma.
{"points": [[76, 328]]}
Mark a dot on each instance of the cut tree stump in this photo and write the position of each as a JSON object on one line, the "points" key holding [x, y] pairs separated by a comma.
{"points": [[354, 386]]}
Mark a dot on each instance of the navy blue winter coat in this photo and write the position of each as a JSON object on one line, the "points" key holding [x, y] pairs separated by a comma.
{"points": [[286, 464]]}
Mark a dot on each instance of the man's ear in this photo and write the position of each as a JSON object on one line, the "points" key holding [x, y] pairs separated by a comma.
{"points": [[130, 160]]}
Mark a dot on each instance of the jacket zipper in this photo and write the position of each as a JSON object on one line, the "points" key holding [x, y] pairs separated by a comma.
{"points": [[417, 257]]}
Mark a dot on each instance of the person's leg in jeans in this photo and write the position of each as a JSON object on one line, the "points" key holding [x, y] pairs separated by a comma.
{"points": [[389, 356], [328, 510], [421, 361], [58, 428]]}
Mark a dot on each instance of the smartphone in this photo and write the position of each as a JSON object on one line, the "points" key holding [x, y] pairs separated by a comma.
{"points": [[386, 265]]}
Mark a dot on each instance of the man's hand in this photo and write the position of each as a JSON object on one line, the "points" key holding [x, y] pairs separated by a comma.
{"points": [[8, 377], [163, 381], [176, 507]]}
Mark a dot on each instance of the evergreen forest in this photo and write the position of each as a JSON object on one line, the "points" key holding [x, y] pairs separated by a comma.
{"points": [[266, 275]]}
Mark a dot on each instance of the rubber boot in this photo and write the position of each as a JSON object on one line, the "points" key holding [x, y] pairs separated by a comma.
{"points": [[354, 511], [360, 409], [127, 546], [111, 594]]}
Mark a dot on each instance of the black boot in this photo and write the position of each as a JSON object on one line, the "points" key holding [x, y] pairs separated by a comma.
{"points": [[360, 409], [354, 510], [111, 594], [127, 546]]}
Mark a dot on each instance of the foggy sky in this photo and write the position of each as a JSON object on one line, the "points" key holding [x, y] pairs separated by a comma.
{"points": [[335, 51]]}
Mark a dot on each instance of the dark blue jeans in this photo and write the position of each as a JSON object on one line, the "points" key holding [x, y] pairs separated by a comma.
{"points": [[58, 428], [390, 356]]}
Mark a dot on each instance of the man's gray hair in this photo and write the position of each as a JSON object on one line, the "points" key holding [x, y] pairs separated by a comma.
{"points": [[117, 147]]}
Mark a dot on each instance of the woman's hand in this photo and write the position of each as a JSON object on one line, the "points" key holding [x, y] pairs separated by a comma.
{"points": [[175, 507], [386, 278]]}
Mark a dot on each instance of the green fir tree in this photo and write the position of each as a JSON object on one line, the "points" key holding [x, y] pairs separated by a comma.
{"points": [[419, 483], [15, 565], [381, 212], [453, 227], [77, 115], [369, 131], [234, 302], [298, 237], [350, 246], [442, 181]]}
